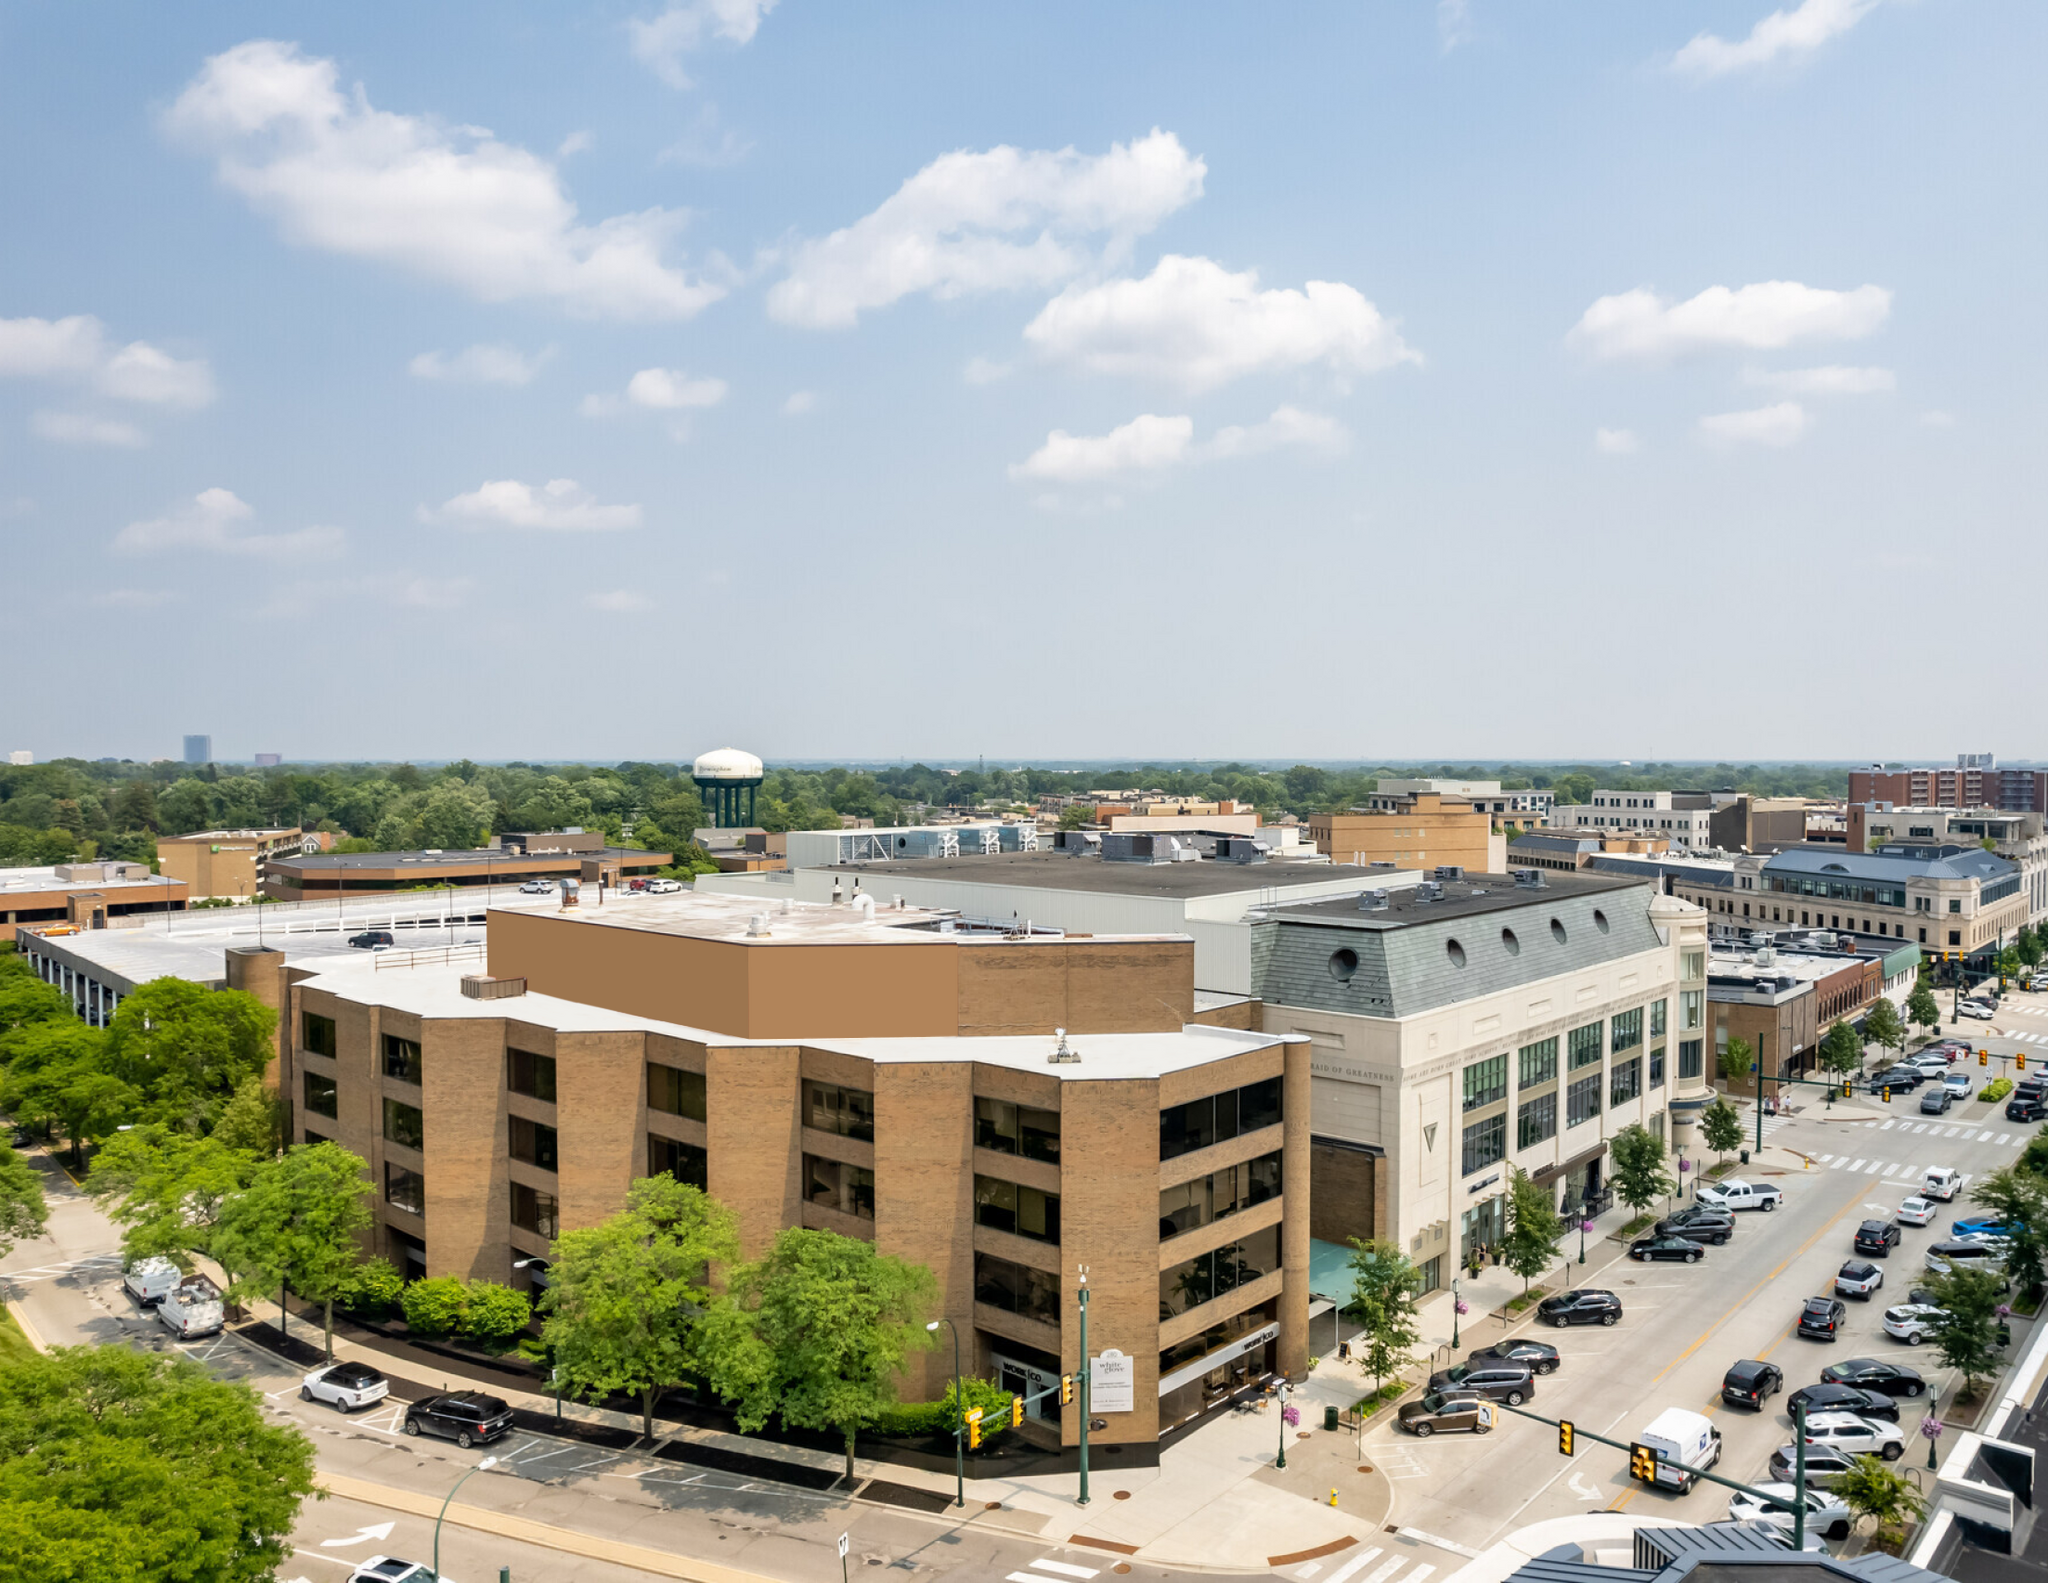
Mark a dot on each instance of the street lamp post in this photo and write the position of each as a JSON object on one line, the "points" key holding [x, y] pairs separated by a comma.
{"points": [[1931, 1427], [959, 1416], [488, 1462], [1457, 1308], [1280, 1395]]}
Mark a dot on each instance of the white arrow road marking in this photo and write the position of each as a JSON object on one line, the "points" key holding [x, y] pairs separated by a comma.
{"points": [[375, 1531], [1582, 1491]]}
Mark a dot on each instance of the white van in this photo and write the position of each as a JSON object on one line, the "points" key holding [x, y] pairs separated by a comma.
{"points": [[148, 1280], [192, 1308], [1681, 1436], [1942, 1182]]}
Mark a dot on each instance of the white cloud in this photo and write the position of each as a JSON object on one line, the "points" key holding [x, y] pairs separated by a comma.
{"points": [[450, 203], [428, 593], [799, 402], [1197, 325], [620, 600], [76, 350], [1454, 23], [215, 521], [1781, 35], [1150, 443], [661, 42], [561, 506], [984, 371], [667, 388], [706, 145], [134, 598], [1760, 317], [481, 364], [989, 221], [1615, 442], [576, 143], [78, 428], [1937, 419], [1780, 424], [1829, 381]]}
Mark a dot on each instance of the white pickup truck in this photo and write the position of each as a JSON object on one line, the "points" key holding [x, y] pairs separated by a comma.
{"points": [[192, 1308], [1737, 1194]]}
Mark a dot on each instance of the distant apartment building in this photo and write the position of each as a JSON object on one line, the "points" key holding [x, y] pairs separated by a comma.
{"points": [[1686, 818], [21, 756], [1975, 782], [266, 761], [1425, 830], [1529, 805], [199, 750], [226, 862], [574, 855], [2016, 836]]}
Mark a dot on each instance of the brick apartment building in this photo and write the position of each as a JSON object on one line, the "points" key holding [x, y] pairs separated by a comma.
{"points": [[1975, 782]]}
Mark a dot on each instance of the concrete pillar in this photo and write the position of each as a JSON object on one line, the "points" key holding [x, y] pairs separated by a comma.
{"points": [[1294, 1192], [259, 971]]}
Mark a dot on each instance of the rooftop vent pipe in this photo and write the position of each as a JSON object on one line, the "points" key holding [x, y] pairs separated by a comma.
{"points": [[757, 924], [1063, 1055]]}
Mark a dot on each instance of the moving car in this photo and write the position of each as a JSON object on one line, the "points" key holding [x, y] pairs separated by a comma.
{"points": [[1713, 1227], [1681, 1249], [1917, 1212], [2026, 1107], [1822, 1464], [1945, 1256], [1825, 1513], [1736, 1194], [1452, 1413], [1499, 1381], [1903, 1078], [1913, 1323], [1877, 1238], [1682, 1439], [1858, 1436], [663, 887], [1979, 1226], [148, 1280], [1936, 1100], [370, 939], [1747, 1383], [390, 1569], [1858, 1278], [1827, 1397], [1540, 1357], [346, 1385], [1978, 1010], [1874, 1374], [1823, 1318], [467, 1417], [1583, 1307]]}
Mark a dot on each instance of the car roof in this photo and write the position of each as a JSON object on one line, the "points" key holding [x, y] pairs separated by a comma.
{"points": [[1748, 1366], [1880, 1224]]}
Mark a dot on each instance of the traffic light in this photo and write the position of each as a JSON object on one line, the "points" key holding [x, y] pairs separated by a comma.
{"points": [[973, 1427], [1066, 1389], [1565, 1437], [2020, 1060], [1016, 1411], [1887, 1093], [1848, 1087], [1983, 1057], [1642, 1464]]}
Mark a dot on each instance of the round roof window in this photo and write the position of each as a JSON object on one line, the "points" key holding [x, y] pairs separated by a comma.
{"points": [[1557, 932], [1343, 963], [1600, 920], [1455, 952], [1509, 943]]}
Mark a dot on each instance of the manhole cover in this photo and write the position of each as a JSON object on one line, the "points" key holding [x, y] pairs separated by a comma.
{"points": [[1302, 1436], [1123, 1495], [1365, 1467], [1121, 1566], [993, 1506]]}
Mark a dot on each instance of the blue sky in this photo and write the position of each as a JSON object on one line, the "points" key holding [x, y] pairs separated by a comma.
{"points": [[1348, 381]]}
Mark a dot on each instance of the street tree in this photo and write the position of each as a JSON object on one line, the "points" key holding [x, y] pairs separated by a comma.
{"points": [[817, 1331], [166, 1188], [253, 1120], [1922, 1009], [1882, 1025], [1873, 1488], [1384, 1287], [118, 1466], [22, 1210], [1734, 1060], [1966, 1329], [2028, 944], [1721, 1127], [625, 1297], [1637, 1167], [188, 1048], [2020, 1199], [84, 1101], [2009, 963], [296, 1225], [1841, 1052], [1533, 1227]]}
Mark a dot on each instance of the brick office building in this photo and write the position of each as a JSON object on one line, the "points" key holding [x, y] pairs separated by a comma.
{"points": [[870, 1073]]}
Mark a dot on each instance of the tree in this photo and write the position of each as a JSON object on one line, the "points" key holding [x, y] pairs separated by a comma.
{"points": [[253, 1120], [2009, 962], [85, 1102], [492, 1311], [1636, 1167], [625, 1297], [297, 1225], [1735, 1060], [22, 1210], [1384, 1286], [1921, 1008], [1966, 1330], [167, 1188], [1533, 1227], [1721, 1127], [817, 1331], [1872, 1488], [1882, 1026], [2019, 1199], [187, 1048], [1076, 816], [2028, 944], [1841, 1052], [119, 1466]]}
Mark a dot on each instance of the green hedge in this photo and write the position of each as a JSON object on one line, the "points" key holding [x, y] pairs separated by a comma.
{"points": [[445, 1306], [930, 1418], [373, 1290], [1996, 1089]]}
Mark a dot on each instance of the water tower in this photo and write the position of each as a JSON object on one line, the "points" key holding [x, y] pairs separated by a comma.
{"points": [[728, 779]]}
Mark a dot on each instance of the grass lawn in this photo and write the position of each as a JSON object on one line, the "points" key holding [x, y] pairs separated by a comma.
{"points": [[14, 1346]]}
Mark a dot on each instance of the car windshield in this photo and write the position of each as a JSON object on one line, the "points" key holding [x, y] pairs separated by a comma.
{"points": [[1457, 1372], [1436, 1402]]}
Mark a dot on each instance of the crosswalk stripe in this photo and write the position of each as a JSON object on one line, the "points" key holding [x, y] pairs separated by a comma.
{"points": [[1385, 1570], [1887, 1127], [1982, 1136], [1419, 1573], [1857, 1166], [1839, 1164], [1823, 1158], [1890, 1170], [2005, 1137], [1349, 1567], [1873, 1169], [1066, 1570]]}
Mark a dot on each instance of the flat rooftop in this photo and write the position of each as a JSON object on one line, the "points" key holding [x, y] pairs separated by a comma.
{"points": [[1462, 898], [495, 857], [1048, 870], [15, 881]]}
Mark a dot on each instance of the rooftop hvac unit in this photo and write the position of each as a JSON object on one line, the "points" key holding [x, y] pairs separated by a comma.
{"points": [[991, 840], [1529, 878], [1372, 901], [1429, 890], [1125, 846], [1450, 871]]}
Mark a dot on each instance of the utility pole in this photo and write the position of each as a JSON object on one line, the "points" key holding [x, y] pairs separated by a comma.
{"points": [[1081, 1375]]}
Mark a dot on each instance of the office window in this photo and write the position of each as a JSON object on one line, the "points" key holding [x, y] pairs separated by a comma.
{"points": [[531, 1075], [1017, 1289], [404, 1125], [1016, 1129], [532, 1142], [1208, 1276], [1694, 965], [1955, 937], [318, 1034], [675, 1092], [1625, 1081], [1657, 1067], [1955, 904], [1657, 1009], [535, 1211], [309, 1136], [402, 1059], [1582, 1100], [405, 1189], [1486, 1143], [1690, 1058], [1218, 1194], [850, 1189], [1217, 1118], [1692, 1009], [1486, 1081], [1538, 1062], [684, 1161], [1627, 1031], [1536, 1121], [320, 1096], [1584, 1045], [1024, 1211], [849, 1112]]}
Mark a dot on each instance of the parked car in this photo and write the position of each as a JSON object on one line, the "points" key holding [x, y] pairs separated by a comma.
{"points": [[1583, 1307], [1913, 1323], [1958, 1084], [1736, 1194], [1936, 1100], [1452, 1414], [1858, 1278], [1977, 1010], [370, 939], [467, 1417], [1935, 1058], [1900, 1079], [192, 1308], [535, 887], [1829, 1397], [1712, 1228], [1772, 1503], [1971, 1255], [346, 1385], [2026, 1107], [390, 1569], [1512, 1383], [1822, 1464], [1877, 1238], [663, 887], [149, 1280], [1916, 1212], [1859, 1436], [1823, 1317], [1979, 1226], [1874, 1374], [1679, 1249], [1747, 1383], [1539, 1356], [636, 885]]}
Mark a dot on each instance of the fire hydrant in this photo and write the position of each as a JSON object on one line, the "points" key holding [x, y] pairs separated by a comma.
{"points": [[1333, 1495]]}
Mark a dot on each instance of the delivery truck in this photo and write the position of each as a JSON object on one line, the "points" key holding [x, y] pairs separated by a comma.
{"points": [[1681, 1437], [192, 1308]]}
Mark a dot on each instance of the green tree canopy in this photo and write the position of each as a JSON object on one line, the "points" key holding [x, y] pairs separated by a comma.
{"points": [[1841, 1052], [187, 1047], [22, 1210], [1872, 1488], [1636, 1167], [1735, 1059], [1721, 1127], [166, 1188], [2020, 1199], [1966, 1331], [1384, 1287], [1882, 1025], [253, 1120], [297, 1223], [1921, 1008], [1533, 1227]]}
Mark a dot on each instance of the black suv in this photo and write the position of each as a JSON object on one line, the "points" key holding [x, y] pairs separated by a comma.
{"points": [[1540, 1357], [1902, 1078], [1830, 1398], [1584, 1307], [1873, 1374], [1823, 1317], [1714, 1226], [2026, 1105], [468, 1418], [1512, 1383], [1877, 1237], [1749, 1382], [371, 938]]}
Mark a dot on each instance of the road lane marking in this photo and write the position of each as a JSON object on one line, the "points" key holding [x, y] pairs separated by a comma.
{"points": [[1344, 1572], [1068, 1570], [1857, 1166], [1441, 1544], [1386, 1569], [1887, 1127], [1417, 1574]]}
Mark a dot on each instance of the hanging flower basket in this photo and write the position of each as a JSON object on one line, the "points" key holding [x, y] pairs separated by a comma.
{"points": [[1932, 1428], [1290, 1416], [1461, 1306]]}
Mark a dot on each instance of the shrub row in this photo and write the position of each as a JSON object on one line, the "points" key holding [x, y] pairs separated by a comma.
{"points": [[444, 1306]]}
